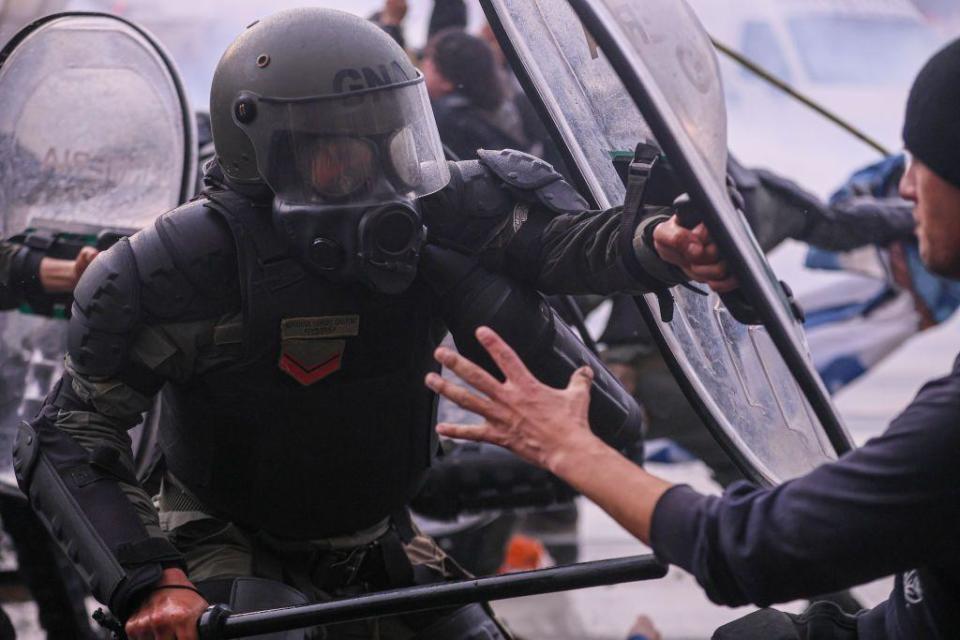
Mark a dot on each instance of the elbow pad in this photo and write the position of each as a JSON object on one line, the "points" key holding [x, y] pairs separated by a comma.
{"points": [[472, 296], [487, 201], [76, 496]]}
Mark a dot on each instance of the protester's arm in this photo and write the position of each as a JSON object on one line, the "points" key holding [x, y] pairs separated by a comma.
{"points": [[885, 507], [777, 208], [862, 221], [548, 427]]}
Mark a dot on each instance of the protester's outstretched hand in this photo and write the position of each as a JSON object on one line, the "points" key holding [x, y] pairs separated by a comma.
{"points": [[694, 252], [538, 423]]}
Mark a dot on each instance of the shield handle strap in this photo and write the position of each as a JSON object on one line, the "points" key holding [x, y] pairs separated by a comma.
{"points": [[645, 158]]}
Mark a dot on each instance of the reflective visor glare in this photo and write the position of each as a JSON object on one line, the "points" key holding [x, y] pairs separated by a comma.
{"points": [[337, 167], [404, 159]]}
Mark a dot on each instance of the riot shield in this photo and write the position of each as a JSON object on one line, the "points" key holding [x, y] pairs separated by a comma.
{"points": [[96, 139], [607, 74]]}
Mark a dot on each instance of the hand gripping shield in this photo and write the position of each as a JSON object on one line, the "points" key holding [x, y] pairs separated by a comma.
{"points": [[96, 139], [607, 74]]}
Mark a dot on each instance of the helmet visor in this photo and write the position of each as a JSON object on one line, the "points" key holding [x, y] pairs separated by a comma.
{"points": [[364, 148]]}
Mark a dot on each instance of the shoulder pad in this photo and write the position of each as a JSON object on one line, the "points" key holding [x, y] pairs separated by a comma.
{"points": [[468, 211], [481, 195], [526, 173], [518, 169], [106, 308], [187, 264]]}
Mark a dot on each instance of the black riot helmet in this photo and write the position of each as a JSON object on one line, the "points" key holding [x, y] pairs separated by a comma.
{"points": [[328, 111]]}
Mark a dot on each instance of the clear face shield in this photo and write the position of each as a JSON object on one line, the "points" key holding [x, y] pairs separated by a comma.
{"points": [[368, 147], [346, 171]]}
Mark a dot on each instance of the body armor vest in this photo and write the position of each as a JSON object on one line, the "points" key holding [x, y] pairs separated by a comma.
{"points": [[322, 426]]}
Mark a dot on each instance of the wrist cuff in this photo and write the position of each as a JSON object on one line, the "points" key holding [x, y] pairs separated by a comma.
{"points": [[25, 272], [648, 258]]}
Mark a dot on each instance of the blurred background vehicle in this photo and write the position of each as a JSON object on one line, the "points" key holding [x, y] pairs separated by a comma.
{"points": [[855, 57]]}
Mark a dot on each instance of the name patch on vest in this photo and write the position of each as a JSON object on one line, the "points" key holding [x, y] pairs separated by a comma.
{"points": [[309, 348]]}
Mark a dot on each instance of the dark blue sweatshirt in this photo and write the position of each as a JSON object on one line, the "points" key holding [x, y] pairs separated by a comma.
{"points": [[889, 507]]}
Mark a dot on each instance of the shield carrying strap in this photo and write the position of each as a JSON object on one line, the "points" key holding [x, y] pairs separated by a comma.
{"points": [[645, 158]]}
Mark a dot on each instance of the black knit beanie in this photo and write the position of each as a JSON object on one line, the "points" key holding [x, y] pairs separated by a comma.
{"points": [[931, 129]]}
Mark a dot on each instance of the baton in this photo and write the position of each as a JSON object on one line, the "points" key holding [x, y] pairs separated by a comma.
{"points": [[219, 623]]}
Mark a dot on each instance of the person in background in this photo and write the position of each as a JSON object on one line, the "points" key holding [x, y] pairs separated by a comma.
{"points": [[643, 629], [518, 107], [466, 93], [391, 18], [447, 14]]}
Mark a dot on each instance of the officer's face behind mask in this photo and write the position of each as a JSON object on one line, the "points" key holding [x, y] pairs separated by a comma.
{"points": [[346, 174]]}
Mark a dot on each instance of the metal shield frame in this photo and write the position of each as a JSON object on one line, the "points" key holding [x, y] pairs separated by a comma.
{"points": [[737, 243]]}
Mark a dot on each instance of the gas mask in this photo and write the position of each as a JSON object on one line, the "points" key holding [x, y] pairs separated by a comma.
{"points": [[347, 173]]}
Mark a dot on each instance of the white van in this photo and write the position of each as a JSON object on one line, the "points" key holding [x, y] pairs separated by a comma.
{"points": [[856, 57]]}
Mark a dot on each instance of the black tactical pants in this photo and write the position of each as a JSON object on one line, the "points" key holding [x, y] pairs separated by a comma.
{"points": [[399, 555]]}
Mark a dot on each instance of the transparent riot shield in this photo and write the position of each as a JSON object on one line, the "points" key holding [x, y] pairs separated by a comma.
{"points": [[96, 140], [607, 74]]}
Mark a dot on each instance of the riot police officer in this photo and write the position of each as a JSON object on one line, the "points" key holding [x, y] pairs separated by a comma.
{"points": [[289, 314]]}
